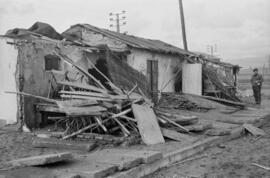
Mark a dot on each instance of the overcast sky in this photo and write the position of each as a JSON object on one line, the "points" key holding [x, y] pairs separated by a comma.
{"points": [[240, 28]]}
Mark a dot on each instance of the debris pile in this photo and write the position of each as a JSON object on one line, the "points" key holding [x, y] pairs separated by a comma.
{"points": [[184, 102], [221, 83], [91, 107], [94, 108]]}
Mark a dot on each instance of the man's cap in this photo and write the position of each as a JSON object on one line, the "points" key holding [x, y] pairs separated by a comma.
{"points": [[256, 69]]}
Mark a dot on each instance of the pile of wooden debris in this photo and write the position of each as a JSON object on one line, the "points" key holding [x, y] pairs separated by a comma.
{"points": [[93, 107]]}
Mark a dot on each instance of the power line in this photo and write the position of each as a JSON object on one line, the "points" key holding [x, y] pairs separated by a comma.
{"points": [[118, 20]]}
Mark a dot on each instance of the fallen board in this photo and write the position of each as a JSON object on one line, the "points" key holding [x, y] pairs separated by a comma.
{"points": [[64, 144], [147, 124], [76, 103], [72, 111], [42, 159], [171, 134], [254, 130], [83, 86]]}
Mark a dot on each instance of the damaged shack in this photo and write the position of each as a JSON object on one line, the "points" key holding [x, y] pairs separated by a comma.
{"points": [[33, 63], [112, 70]]}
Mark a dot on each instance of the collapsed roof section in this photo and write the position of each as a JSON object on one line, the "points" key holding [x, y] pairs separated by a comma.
{"points": [[75, 33], [37, 29]]}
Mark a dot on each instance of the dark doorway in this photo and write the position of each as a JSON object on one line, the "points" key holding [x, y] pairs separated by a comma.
{"points": [[101, 65], [152, 76]]}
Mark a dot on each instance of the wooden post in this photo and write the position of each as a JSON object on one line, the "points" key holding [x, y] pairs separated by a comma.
{"points": [[183, 25]]}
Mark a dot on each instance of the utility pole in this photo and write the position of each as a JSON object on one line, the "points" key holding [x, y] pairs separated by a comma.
{"points": [[183, 25], [269, 63], [212, 49], [119, 17]]}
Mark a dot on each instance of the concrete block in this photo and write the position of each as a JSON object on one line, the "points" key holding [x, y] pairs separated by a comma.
{"points": [[147, 156], [123, 162], [42, 159], [93, 169]]}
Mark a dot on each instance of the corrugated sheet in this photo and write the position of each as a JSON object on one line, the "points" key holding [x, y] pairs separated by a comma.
{"points": [[138, 42]]}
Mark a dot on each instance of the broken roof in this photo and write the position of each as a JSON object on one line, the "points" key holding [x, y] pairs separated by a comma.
{"points": [[37, 29], [137, 42]]}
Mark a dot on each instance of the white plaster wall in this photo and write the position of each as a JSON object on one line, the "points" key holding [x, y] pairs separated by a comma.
{"points": [[95, 39], [192, 79], [8, 63], [167, 66]]}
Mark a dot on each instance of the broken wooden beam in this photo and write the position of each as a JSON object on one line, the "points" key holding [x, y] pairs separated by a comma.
{"points": [[63, 144], [85, 97], [73, 111], [102, 137], [85, 93], [33, 96], [172, 134], [83, 86], [254, 130], [183, 129], [76, 103]]}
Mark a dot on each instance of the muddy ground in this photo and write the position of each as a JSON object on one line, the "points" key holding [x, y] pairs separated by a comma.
{"points": [[229, 160]]}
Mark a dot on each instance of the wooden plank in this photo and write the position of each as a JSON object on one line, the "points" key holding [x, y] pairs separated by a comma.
{"points": [[85, 97], [42, 159], [84, 111], [73, 111], [171, 134], [63, 144], [103, 137], [147, 124], [262, 166], [218, 132], [100, 124], [85, 93], [254, 130], [33, 96], [183, 129], [83, 86], [101, 95], [77, 103], [180, 119]]}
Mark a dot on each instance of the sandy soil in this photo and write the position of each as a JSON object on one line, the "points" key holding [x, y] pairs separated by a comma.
{"points": [[230, 160]]}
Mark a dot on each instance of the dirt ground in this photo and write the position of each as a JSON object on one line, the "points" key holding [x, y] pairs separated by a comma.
{"points": [[229, 160], [15, 144]]}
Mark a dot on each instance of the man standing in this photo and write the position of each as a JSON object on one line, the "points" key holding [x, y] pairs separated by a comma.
{"points": [[256, 82]]}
